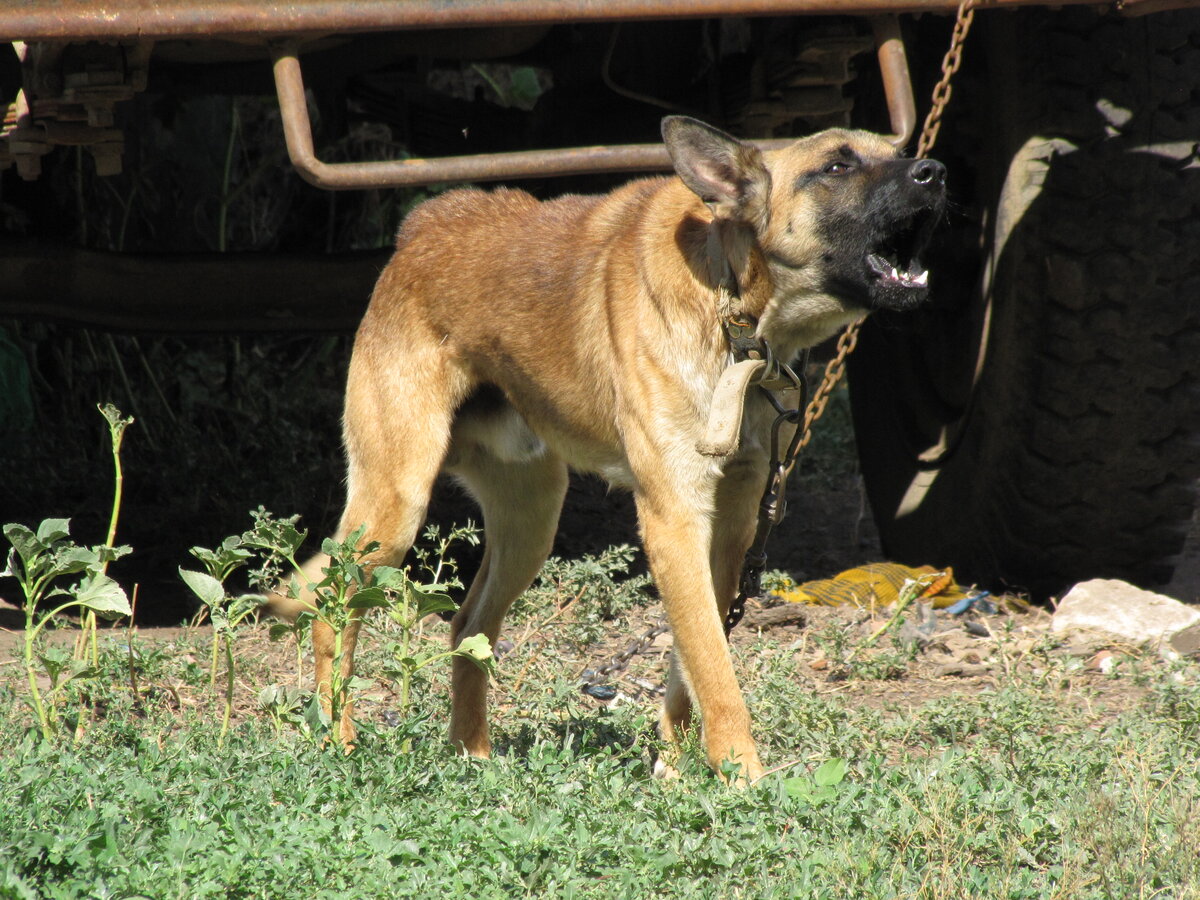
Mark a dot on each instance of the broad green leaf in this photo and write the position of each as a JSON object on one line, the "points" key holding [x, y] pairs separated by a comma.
{"points": [[368, 598], [54, 661], [830, 773], [389, 577], [805, 789], [478, 649], [206, 556], [477, 646], [103, 596], [52, 530], [108, 554], [273, 535], [279, 631], [427, 604], [525, 88], [210, 591], [24, 541], [245, 605], [76, 559], [280, 697], [81, 668], [799, 788], [315, 716]]}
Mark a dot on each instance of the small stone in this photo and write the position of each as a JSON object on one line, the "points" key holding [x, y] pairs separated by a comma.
{"points": [[978, 629], [1103, 661], [1187, 641], [961, 670], [819, 665]]}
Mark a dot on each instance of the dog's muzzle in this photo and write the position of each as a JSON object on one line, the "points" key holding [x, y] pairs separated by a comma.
{"points": [[894, 264]]}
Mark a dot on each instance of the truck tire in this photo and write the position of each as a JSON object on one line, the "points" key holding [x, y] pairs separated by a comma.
{"points": [[1048, 430]]}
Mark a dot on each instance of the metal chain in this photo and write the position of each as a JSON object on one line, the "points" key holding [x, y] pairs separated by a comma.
{"points": [[835, 370], [594, 679], [950, 65]]}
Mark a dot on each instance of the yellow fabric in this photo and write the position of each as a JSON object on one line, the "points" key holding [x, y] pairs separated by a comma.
{"points": [[877, 584]]}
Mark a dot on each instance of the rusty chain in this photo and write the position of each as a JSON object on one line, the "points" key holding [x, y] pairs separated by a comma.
{"points": [[950, 65], [594, 680], [835, 369]]}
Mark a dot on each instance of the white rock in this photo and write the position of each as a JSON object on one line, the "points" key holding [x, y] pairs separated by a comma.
{"points": [[1119, 611]]}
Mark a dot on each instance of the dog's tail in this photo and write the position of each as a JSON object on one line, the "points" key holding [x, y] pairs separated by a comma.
{"points": [[280, 601]]}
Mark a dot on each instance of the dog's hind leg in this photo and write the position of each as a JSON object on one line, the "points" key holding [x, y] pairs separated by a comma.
{"points": [[521, 502], [397, 429]]}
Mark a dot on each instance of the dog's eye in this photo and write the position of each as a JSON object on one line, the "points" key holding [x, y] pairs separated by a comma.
{"points": [[838, 168]]}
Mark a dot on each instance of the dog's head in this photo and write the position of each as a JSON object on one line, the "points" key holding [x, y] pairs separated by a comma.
{"points": [[840, 219]]}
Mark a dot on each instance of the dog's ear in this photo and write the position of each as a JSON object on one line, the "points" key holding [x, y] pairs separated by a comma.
{"points": [[728, 175]]}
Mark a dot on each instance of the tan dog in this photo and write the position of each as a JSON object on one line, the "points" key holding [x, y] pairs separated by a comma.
{"points": [[510, 338]]}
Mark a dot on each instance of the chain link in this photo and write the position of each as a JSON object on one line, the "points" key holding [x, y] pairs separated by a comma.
{"points": [[835, 370], [594, 680], [950, 65]]}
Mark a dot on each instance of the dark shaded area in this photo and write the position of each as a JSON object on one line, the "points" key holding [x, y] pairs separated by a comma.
{"points": [[228, 422]]}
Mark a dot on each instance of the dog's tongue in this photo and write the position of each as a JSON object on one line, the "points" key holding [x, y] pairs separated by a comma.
{"points": [[917, 276]]}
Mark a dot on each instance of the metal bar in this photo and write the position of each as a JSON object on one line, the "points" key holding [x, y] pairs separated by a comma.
{"points": [[897, 83], [81, 20], [297, 129], [206, 292], [413, 172]]}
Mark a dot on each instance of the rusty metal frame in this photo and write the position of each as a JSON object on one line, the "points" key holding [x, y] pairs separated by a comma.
{"points": [[297, 129], [84, 20]]}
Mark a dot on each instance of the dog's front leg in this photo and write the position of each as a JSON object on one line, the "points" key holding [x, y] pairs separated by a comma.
{"points": [[733, 524], [677, 536]]}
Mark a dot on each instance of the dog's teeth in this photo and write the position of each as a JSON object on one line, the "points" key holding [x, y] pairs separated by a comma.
{"points": [[922, 279]]}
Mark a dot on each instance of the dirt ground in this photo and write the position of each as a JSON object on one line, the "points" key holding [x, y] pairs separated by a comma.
{"points": [[963, 654], [827, 530]]}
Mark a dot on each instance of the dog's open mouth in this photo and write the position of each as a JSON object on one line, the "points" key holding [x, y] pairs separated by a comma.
{"points": [[895, 262]]}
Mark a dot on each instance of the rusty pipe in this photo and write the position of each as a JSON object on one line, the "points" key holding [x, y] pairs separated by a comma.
{"points": [[82, 20], [297, 132], [297, 129], [897, 82]]}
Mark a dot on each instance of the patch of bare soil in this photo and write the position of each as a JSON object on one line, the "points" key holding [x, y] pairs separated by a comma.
{"points": [[830, 653], [933, 655]]}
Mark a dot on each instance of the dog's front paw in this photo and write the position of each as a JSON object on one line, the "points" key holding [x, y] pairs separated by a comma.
{"points": [[665, 771]]}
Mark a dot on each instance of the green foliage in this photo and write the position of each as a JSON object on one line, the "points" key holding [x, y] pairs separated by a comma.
{"points": [[819, 788], [224, 611], [598, 588], [352, 584], [863, 660], [1085, 808], [408, 602], [38, 561]]}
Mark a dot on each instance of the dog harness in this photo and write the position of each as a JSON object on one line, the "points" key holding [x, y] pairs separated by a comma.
{"points": [[753, 365]]}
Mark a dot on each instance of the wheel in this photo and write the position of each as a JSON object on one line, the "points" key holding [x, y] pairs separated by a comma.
{"points": [[1048, 430]]}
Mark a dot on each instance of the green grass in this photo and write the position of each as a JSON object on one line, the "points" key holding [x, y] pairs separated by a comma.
{"points": [[1011, 793]]}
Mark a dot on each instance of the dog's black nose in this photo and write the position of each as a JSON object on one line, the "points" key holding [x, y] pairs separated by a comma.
{"points": [[928, 172]]}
